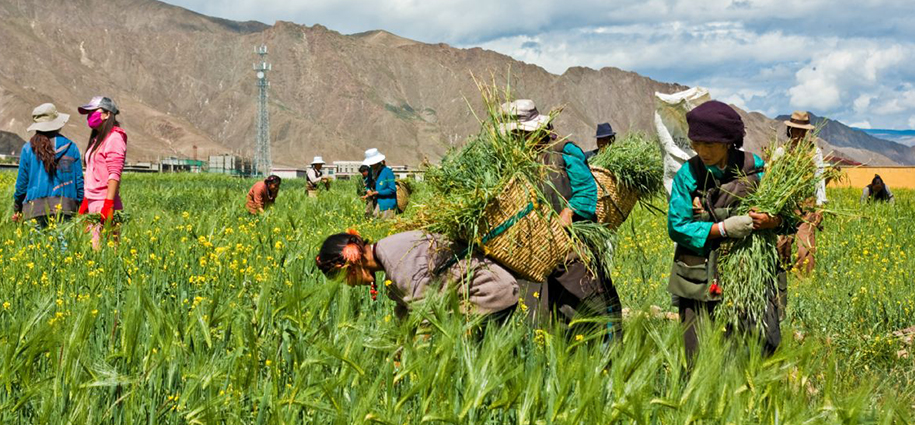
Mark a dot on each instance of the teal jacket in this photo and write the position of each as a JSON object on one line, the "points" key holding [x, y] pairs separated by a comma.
{"points": [[386, 187], [584, 189], [682, 226], [33, 182]]}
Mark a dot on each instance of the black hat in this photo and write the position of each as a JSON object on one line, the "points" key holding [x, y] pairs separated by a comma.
{"points": [[604, 130]]}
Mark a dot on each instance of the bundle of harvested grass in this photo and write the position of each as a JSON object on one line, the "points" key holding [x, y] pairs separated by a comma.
{"points": [[488, 195], [748, 266], [635, 162]]}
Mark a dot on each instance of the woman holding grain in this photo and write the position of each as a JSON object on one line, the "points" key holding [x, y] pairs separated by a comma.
{"points": [[705, 190], [104, 164]]}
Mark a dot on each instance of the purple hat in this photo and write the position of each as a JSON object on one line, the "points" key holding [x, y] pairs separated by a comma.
{"points": [[98, 102], [717, 122]]}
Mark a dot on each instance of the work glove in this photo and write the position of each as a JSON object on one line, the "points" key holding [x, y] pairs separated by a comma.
{"points": [[737, 227], [84, 206], [108, 210]]}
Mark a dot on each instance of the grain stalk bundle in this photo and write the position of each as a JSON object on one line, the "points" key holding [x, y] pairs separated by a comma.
{"points": [[488, 195], [748, 266], [628, 170]]}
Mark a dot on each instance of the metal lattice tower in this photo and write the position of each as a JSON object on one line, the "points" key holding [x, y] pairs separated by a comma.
{"points": [[263, 162]]}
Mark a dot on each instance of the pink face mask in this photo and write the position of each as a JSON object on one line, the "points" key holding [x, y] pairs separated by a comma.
{"points": [[95, 118]]}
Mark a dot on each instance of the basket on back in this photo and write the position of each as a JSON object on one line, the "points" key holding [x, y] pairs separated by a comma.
{"points": [[614, 201], [521, 234], [403, 196]]}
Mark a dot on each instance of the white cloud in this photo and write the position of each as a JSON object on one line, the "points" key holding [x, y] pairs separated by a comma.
{"points": [[862, 124], [912, 122]]}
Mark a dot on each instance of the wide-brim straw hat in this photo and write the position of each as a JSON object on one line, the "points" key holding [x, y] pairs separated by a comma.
{"points": [[524, 116], [317, 160], [46, 118], [800, 119], [372, 157]]}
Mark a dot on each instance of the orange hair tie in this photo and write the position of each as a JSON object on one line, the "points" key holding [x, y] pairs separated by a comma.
{"points": [[351, 253], [353, 232]]}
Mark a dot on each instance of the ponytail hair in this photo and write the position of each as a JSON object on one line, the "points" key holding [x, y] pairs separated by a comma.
{"points": [[338, 251], [43, 148]]}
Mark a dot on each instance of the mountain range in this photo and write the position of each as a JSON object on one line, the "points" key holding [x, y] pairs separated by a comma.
{"points": [[183, 79], [905, 137]]}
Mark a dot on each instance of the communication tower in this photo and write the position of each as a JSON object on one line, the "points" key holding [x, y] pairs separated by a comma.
{"points": [[263, 162]]}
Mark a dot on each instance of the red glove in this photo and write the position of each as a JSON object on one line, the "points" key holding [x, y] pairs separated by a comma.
{"points": [[107, 210], [84, 207]]}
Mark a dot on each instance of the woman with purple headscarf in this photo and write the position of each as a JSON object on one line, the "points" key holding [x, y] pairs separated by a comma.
{"points": [[704, 192]]}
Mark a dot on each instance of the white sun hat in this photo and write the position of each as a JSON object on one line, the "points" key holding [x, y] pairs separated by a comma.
{"points": [[372, 157], [524, 116], [46, 118], [318, 160]]}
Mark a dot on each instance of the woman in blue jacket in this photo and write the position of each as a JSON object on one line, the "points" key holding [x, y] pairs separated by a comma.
{"points": [[385, 192], [50, 180]]}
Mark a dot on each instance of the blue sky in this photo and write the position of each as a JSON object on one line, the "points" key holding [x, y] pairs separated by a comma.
{"points": [[849, 60]]}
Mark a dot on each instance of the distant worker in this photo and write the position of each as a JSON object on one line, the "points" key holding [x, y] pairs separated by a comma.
{"points": [[418, 264], [50, 180], [263, 194], [877, 191], [105, 156], [316, 177], [385, 188], [605, 137], [368, 185], [798, 128]]}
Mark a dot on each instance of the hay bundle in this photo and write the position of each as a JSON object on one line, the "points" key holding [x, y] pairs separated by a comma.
{"points": [[626, 171], [748, 266]]}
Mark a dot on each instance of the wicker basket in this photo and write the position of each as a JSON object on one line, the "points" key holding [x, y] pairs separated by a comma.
{"points": [[614, 201], [520, 234], [403, 196]]}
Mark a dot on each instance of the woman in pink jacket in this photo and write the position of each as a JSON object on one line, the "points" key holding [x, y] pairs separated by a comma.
{"points": [[104, 163]]}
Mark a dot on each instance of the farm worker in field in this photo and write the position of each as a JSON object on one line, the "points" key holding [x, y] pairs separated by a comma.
{"points": [[263, 194], [415, 263], [316, 177], [104, 164], [573, 289], [605, 137], [385, 189], [798, 128], [50, 181], [368, 185], [877, 191], [703, 193]]}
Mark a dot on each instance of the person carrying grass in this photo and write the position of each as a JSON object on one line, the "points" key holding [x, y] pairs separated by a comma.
{"points": [[415, 263], [263, 194], [877, 191], [704, 191], [50, 180], [105, 156], [573, 290], [798, 128]]}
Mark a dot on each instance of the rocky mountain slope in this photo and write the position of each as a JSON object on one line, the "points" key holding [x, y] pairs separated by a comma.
{"points": [[183, 79]]}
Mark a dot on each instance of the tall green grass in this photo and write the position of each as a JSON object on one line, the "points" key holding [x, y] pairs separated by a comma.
{"points": [[204, 314]]}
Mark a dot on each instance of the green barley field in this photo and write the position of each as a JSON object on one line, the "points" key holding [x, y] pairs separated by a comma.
{"points": [[205, 315]]}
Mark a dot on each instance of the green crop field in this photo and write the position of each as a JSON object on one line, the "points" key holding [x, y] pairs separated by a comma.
{"points": [[206, 315]]}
